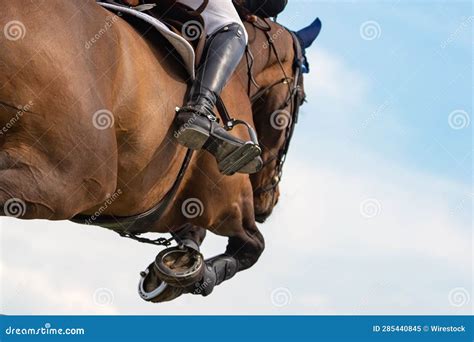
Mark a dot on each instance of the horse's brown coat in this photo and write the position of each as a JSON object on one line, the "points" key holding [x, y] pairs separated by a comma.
{"points": [[60, 165]]}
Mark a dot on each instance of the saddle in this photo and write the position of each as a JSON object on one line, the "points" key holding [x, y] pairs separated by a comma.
{"points": [[186, 22], [178, 17]]}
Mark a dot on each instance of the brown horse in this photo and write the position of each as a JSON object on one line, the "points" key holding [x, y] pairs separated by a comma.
{"points": [[87, 104]]}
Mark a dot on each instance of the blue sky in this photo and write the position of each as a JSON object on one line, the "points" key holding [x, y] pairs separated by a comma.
{"points": [[376, 207], [407, 65]]}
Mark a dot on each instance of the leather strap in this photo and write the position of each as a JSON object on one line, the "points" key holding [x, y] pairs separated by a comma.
{"points": [[135, 222]]}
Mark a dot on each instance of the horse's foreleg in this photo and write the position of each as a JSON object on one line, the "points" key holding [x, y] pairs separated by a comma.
{"points": [[156, 286], [242, 252], [190, 235]]}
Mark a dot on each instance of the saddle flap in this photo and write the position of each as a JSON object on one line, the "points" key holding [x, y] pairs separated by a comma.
{"points": [[182, 46]]}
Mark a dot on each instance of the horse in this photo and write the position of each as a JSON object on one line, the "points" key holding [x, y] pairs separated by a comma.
{"points": [[87, 106]]}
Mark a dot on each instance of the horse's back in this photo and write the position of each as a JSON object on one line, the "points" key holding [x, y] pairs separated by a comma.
{"points": [[44, 51]]}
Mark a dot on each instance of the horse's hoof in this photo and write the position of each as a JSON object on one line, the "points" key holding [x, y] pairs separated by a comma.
{"points": [[179, 266], [153, 289]]}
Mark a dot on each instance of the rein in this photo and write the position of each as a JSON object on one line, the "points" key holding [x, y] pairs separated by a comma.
{"points": [[293, 99]]}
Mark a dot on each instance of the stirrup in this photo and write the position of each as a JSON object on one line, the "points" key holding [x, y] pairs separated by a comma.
{"points": [[238, 159], [242, 156]]}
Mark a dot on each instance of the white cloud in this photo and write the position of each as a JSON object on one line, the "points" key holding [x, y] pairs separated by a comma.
{"points": [[330, 258], [336, 90]]}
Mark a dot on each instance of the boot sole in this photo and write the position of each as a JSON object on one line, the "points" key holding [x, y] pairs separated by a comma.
{"points": [[242, 159], [196, 138], [193, 137], [232, 157]]}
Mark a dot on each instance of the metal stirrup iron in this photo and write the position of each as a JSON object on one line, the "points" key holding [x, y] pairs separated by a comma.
{"points": [[244, 154]]}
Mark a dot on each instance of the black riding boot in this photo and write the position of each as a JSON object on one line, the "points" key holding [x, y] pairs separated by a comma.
{"points": [[198, 126]]}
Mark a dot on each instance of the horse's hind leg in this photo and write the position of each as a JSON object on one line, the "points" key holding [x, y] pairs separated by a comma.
{"points": [[242, 252]]}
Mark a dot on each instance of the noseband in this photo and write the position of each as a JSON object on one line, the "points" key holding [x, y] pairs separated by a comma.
{"points": [[294, 99]]}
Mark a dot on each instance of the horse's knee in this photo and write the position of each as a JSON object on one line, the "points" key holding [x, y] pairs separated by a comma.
{"points": [[246, 249]]}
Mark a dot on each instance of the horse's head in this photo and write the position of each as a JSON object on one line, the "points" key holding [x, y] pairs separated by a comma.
{"points": [[276, 94]]}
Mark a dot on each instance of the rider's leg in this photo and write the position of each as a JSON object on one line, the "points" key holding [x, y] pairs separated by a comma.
{"points": [[197, 122]]}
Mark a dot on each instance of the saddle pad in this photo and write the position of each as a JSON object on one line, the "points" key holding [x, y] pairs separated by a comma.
{"points": [[181, 45]]}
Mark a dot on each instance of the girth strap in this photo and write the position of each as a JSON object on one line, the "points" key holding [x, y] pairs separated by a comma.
{"points": [[125, 225]]}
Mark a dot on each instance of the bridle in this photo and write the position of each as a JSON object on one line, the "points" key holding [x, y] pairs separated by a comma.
{"points": [[294, 99]]}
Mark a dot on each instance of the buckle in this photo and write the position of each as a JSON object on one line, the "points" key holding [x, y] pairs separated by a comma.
{"points": [[194, 110], [212, 118]]}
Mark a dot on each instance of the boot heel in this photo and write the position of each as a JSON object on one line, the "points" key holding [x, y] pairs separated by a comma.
{"points": [[192, 137]]}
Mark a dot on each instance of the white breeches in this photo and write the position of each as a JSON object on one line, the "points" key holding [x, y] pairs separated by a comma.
{"points": [[217, 14]]}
